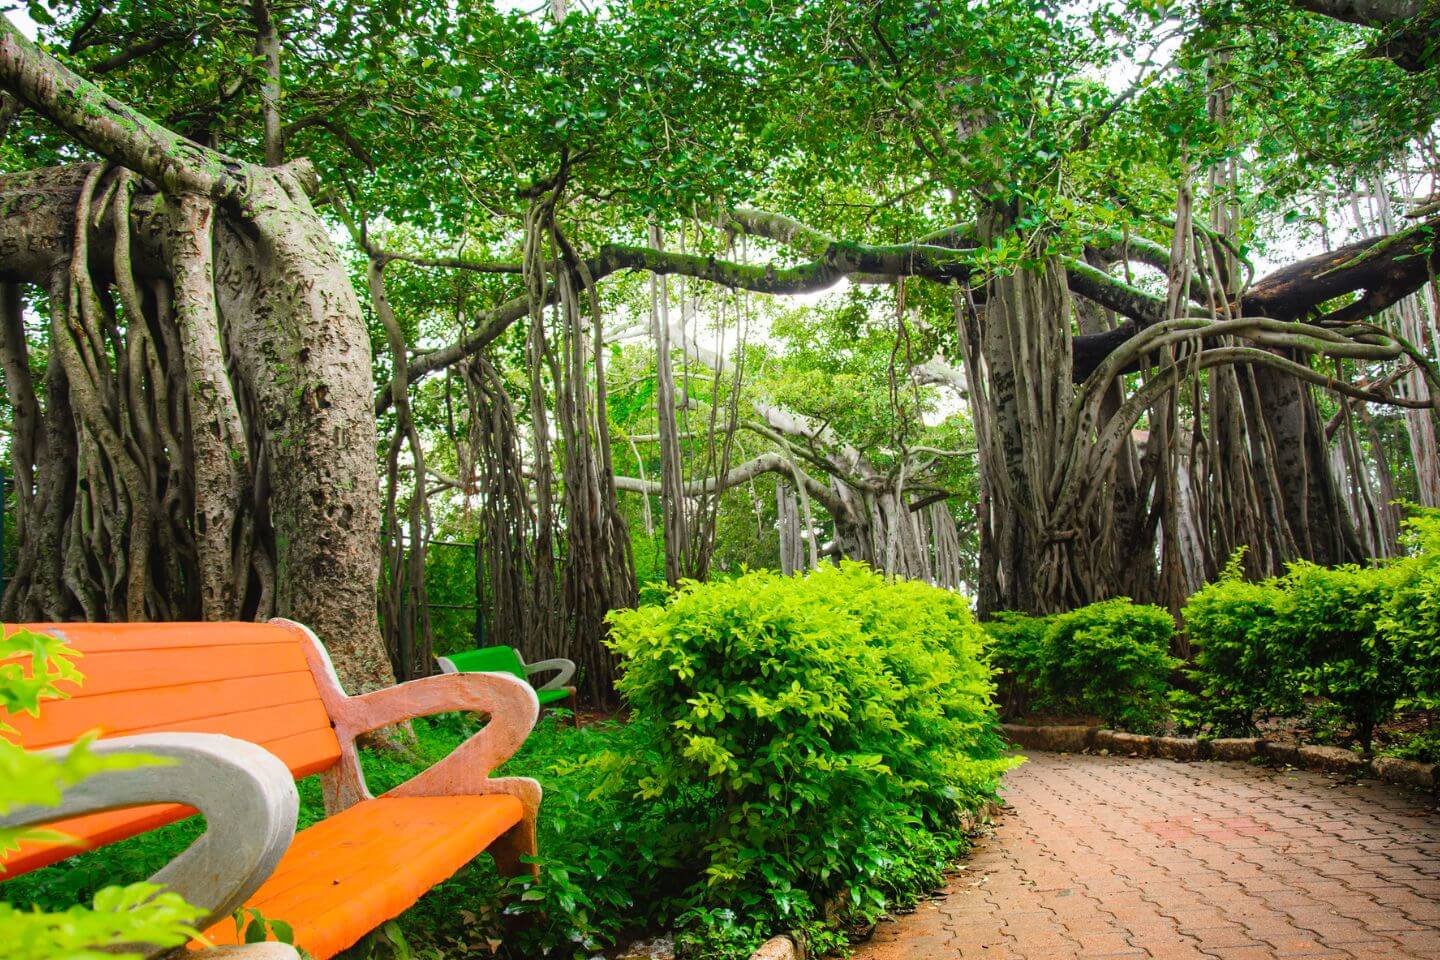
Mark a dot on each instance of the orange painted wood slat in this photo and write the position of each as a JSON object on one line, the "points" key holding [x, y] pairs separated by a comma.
{"points": [[91, 831], [350, 873], [249, 681], [120, 670], [265, 726], [305, 754], [313, 751], [103, 637], [137, 711]]}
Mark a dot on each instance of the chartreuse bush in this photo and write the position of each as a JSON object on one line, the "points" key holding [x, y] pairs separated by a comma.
{"points": [[1411, 620], [1332, 617], [817, 738], [1017, 655], [1110, 659]]}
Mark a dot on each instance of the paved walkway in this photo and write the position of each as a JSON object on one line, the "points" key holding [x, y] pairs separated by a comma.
{"points": [[1102, 857]]}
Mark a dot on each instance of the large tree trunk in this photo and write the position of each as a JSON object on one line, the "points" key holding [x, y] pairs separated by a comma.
{"points": [[295, 340], [1313, 507], [298, 351], [1024, 340]]}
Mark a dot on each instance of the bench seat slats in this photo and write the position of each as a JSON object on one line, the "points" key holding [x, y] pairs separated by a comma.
{"points": [[261, 724], [351, 872], [91, 831], [106, 637], [158, 708]]}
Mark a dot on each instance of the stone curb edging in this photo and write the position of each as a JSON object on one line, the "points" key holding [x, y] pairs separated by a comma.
{"points": [[778, 948], [1078, 739]]}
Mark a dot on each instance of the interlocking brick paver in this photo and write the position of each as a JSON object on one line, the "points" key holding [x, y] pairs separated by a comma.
{"points": [[1154, 860]]}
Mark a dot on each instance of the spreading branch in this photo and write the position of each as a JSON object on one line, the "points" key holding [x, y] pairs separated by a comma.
{"points": [[737, 475], [110, 128]]}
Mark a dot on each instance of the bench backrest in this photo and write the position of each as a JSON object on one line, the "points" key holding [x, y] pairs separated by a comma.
{"points": [[251, 681]]}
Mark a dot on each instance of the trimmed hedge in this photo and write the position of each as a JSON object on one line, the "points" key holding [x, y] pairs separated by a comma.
{"points": [[1365, 640], [1351, 643], [1109, 659]]}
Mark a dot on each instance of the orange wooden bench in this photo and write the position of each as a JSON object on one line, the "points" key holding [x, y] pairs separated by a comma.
{"points": [[171, 688]]}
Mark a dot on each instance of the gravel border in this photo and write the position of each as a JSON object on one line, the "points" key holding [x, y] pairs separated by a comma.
{"points": [[1079, 739]]}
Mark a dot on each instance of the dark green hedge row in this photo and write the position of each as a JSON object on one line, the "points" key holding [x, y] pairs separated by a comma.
{"points": [[1365, 640]]}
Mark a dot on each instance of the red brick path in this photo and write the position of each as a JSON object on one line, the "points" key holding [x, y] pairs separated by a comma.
{"points": [[1102, 857]]}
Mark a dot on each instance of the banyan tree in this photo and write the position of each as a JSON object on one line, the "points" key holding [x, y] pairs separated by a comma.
{"points": [[202, 443]]}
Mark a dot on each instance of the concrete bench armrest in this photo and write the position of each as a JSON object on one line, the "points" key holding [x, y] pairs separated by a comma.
{"points": [[512, 708], [245, 793], [565, 669], [509, 703], [270, 950]]}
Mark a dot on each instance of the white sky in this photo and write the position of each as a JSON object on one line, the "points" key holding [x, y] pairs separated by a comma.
{"points": [[21, 18]]}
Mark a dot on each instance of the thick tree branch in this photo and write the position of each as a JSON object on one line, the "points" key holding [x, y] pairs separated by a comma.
{"points": [[742, 473], [142, 49], [778, 227], [1394, 264], [1366, 13], [1409, 28], [453, 263], [1388, 268], [109, 127], [267, 47]]}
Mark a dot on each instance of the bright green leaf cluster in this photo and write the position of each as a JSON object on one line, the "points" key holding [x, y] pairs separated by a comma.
{"points": [[1364, 639], [1109, 659], [839, 722]]}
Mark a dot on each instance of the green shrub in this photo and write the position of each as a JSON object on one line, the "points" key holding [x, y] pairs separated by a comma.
{"points": [[1359, 642], [1411, 620], [1332, 619], [1017, 655], [1243, 665], [828, 730], [1111, 658], [1423, 746]]}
